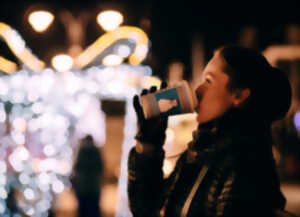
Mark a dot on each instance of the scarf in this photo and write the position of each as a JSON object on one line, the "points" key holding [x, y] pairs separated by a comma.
{"points": [[207, 144]]}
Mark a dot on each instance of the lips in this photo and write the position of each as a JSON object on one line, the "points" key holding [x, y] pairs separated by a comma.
{"points": [[198, 103], [197, 108]]}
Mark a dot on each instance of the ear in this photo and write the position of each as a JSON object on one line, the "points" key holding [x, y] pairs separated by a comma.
{"points": [[240, 96]]}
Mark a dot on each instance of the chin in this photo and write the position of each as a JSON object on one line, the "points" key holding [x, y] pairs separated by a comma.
{"points": [[199, 119], [203, 120]]}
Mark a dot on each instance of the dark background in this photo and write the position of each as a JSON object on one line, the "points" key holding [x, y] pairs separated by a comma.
{"points": [[173, 24]]}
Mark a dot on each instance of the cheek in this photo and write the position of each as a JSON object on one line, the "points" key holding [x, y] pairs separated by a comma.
{"points": [[213, 106]]}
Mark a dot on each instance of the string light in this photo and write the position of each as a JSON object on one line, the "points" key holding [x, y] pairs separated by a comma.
{"points": [[48, 111], [17, 45], [41, 138]]}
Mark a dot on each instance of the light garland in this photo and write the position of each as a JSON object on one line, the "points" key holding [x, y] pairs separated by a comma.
{"points": [[43, 115], [17, 45]]}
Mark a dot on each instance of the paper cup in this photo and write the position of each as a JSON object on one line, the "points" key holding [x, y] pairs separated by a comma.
{"points": [[175, 100]]}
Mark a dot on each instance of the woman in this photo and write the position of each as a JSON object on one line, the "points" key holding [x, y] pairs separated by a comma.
{"points": [[228, 168]]}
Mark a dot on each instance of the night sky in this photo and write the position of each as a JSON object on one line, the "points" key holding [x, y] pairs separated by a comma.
{"points": [[173, 25]]}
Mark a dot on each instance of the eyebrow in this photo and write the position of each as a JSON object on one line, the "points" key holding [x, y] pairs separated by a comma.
{"points": [[211, 74]]}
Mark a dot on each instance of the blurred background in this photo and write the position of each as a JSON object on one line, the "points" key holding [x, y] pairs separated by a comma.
{"points": [[70, 71]]}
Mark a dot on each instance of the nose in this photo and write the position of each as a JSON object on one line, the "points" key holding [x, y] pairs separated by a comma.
{"points": [[199, 94], [199, 91]]}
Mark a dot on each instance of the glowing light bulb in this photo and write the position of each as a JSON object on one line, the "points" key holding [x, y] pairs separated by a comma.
{"points": [[123, 51], [57, 186], [20, 124], [109, 20], [40, 20], [62, 63], [29, 194], [112, 60]]}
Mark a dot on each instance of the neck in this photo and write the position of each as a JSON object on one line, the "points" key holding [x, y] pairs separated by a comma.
{"points": [[238, 123]]}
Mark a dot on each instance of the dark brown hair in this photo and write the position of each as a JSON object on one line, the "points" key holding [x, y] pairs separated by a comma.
{"points": [[270, 96]]}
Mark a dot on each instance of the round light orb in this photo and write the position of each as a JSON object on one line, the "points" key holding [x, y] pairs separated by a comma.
{"points": [[62, 62], [29, 194], [123, 51], [112, 60], [109, 20], [40, 20]]}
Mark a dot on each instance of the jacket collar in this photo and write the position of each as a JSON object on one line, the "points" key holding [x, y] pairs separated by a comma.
{"points": [[218, 136]]}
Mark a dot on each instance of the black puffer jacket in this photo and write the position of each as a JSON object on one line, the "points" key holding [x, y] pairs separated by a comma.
{"points": [[241, 179]]}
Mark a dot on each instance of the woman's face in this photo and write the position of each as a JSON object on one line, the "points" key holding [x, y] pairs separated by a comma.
{"points": [[214, 97]]}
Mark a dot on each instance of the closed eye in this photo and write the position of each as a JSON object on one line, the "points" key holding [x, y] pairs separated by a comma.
{"points": [[207, 80]]}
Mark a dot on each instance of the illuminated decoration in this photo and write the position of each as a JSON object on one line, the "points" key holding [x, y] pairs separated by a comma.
{"points": [[127, 33], [42, 116], [123, 51], [40, 20], [7, 66], [109, 20], [17, 45], [108, 44], [62, 63], [112, 60]]}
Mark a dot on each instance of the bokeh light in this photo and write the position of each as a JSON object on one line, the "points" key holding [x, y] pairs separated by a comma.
{"points": [[40, 20], [109, 20], [62, 62], [45, 123], [112, 60]]}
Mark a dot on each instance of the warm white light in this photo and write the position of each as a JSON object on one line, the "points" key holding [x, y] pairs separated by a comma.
{"points": [[24, 178], [19, 124], [62, 63], [40, 20], [2, 179], [73, 84], [16, 41], [15, 162], [49, 150], [37, 108], [48, 164], [141, 50], [112, 60], [30, 211], [18, 137], [123, 51], [57, 186], [149, 81], [3, 193], [3, 88], [3, 167], [22, 153], [44, 178], [45, 122], [109, 20], [7, 66], [29, 194]]}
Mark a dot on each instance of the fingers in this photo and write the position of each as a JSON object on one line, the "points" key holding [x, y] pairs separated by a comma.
{"points": [[163, 85], [144, 92], [153, 89], [138, 108]]}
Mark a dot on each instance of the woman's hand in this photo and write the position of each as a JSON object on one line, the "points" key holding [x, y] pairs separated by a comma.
{"points": [[150, 131]]}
